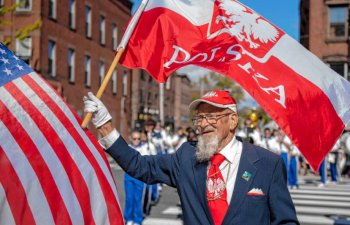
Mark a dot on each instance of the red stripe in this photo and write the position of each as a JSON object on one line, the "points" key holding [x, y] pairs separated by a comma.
{"points": [[75, 177], [309, 118], [114, 212], [38, 164], [15, 194]]}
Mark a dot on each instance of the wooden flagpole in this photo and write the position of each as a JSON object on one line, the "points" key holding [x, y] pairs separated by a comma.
{"points": [[120, 51]]}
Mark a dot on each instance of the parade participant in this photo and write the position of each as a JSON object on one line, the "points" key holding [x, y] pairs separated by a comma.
{"points": [[133, 213], [221, 180], [268, 141], [285, 145], [151, 196], [293, 167]]}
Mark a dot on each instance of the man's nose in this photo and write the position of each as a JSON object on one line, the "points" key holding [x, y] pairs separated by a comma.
{"points": [[203, 123]]}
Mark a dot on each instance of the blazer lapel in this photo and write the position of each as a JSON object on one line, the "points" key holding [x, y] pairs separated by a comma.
{"points": [[246, 164], [200, 174]]}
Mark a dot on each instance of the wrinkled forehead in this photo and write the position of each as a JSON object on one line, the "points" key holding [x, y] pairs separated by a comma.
{"points": [[207, 108]]}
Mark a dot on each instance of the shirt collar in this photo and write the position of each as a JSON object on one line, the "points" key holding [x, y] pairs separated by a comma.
{"points": [[233, 145]]}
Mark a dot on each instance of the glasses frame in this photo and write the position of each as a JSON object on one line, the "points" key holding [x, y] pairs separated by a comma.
{"points": [[212, 121]]}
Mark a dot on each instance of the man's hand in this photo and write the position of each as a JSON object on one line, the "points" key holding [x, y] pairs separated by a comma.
{"points": [[100, 114]]}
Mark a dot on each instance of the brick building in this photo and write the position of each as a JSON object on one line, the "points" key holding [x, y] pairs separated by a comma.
{"points": [[146, 99], [74, 48], [324, 30]]}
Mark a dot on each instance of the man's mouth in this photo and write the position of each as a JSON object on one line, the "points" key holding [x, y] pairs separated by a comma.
{"points": [[206, 132]]}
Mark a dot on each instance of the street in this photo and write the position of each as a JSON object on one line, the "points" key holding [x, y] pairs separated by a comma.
{"points": [[328, 205]]}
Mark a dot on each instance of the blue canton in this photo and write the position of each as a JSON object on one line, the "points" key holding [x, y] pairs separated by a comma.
{"points": [[11, 67]]}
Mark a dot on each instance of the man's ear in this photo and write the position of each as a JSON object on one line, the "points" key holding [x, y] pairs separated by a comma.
{"points": [[233, 121]]}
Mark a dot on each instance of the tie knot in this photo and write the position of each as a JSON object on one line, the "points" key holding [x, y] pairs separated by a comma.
{"points": [[217, 159]]}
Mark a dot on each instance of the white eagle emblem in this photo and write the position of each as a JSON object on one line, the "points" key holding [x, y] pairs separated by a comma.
{"points": [[245, 25]]}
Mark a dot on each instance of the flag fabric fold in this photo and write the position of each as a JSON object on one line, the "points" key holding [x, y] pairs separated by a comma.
{"points": [[307, 99], [53, 171]]}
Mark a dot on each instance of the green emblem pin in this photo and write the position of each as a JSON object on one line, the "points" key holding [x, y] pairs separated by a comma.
{"points": [[246, 175]]}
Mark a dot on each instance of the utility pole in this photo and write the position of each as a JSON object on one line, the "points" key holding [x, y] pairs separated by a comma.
{"points": [[161, 103]]}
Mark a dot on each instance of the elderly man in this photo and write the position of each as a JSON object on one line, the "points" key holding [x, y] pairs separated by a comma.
{"points": [[219, 181]]}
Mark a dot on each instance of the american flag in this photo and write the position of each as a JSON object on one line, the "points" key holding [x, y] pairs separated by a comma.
{"points": [[51, 170]]}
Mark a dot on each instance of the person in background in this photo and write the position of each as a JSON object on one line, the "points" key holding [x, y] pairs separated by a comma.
{"points": [[323, 174], [293, 167], [134, 188], [171, 139], [284, 148], [268, 141], [151, 196], [333, 161], [158, 137]]}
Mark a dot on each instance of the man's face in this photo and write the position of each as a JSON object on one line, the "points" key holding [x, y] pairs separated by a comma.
{"points": [[215, 128], [222, 123], [135, 138]]}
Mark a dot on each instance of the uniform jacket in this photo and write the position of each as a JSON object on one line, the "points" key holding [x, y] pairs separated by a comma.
{"points": [[182, 171]]}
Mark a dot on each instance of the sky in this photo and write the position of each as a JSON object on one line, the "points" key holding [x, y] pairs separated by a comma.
{"points": [[283, 13]]}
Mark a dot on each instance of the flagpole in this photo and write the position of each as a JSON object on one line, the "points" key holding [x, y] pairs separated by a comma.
{"points": [[121, 47]]}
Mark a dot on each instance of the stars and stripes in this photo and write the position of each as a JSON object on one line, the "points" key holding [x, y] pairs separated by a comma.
{"points": [[52, 171]]}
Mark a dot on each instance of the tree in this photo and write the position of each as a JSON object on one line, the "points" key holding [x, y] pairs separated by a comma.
{"points": [[21, 33], [225, 83]]}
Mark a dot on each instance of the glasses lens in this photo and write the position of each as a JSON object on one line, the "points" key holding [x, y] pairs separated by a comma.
{"points": [[136, 138]]}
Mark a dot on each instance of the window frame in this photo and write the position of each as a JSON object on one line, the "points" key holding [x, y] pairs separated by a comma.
{"points": [[102, 38], [332, 35], [71, 65], [88, 21], [87, 71], [29, 9], [52, 71], [52, 9], [72, 14]]}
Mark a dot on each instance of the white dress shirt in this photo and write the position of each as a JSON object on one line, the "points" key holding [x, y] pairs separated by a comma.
{"points": [[229, 167]]}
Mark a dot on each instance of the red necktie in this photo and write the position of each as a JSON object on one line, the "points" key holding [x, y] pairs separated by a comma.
{"points": [[216, 190]]}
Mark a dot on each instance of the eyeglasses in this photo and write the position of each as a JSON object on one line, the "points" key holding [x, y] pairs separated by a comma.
{"points": [[212, 119], [136, 138]]}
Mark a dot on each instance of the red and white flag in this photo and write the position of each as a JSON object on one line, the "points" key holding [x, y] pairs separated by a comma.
{"points": [[308, 100], [52, 171]]}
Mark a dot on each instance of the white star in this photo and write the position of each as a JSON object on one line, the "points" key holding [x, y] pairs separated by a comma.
{"points": [[6, 61], [19, 67], [2, 51], [8, 72], [15, 57]]}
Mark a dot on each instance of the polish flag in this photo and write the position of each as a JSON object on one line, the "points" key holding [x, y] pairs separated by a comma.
{"points": [[307, 99]]}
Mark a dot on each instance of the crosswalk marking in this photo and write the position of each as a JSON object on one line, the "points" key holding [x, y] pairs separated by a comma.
{"points": [[172, 211], [158, 221], [314, 206]]}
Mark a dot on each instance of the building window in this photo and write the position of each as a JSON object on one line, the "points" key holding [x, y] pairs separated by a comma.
{"points": [[125, 83], [88, 21], [114, 36], [52, 9], [102, 30], [114, 82], [1, 3], [51, 70], [340, 67], [72, 14], [101, 72], [24, 49], [26, 6], [338, 16], [71, 65], [87, 64]]}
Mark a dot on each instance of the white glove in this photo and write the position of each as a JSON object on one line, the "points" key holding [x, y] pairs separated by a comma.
{"points": [[100, 114]]}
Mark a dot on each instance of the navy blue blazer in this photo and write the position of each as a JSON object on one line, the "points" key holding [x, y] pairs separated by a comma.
{"points": [[182, 171]]}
